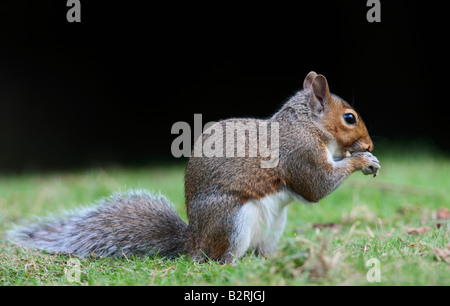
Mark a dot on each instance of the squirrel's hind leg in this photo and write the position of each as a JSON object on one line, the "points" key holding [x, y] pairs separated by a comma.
{"points": [[214, 236]]}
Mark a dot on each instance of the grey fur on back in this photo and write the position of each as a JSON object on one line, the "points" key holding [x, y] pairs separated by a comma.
{"points": [[135, 222]]}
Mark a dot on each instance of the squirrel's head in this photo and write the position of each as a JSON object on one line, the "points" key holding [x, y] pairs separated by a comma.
{"points": [[337, 118]]}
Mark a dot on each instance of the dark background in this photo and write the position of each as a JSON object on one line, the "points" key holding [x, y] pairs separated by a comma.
{"points": [[108, 89]]}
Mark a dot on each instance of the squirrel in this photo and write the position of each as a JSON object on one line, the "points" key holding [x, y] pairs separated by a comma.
{"points": [[233, 204]]}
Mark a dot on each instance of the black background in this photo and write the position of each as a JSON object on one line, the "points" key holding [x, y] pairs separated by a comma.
{"points": [[108, 89]]}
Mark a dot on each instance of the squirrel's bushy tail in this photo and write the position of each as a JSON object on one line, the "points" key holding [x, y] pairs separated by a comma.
{"points": [[131, 223]]}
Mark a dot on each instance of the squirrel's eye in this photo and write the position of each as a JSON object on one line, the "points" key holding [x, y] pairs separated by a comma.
{"points": [[350, 118]]}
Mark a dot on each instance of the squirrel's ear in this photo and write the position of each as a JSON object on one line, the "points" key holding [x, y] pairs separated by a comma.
{"points": [[320, 93], [309, 80]]}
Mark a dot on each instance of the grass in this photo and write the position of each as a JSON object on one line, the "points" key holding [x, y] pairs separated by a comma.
{"points": [[324, 244]]}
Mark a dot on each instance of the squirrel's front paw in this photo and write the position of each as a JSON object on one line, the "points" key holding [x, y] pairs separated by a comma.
{"points": [[369, 165]]}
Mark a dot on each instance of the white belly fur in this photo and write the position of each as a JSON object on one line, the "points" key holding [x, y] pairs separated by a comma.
{"points": [[259, 224]]}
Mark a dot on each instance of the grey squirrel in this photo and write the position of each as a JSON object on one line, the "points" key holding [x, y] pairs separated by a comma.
{"points": [[233, 204]]}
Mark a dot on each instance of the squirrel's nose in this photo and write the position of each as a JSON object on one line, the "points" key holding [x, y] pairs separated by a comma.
{"points": [[369, 147]]}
